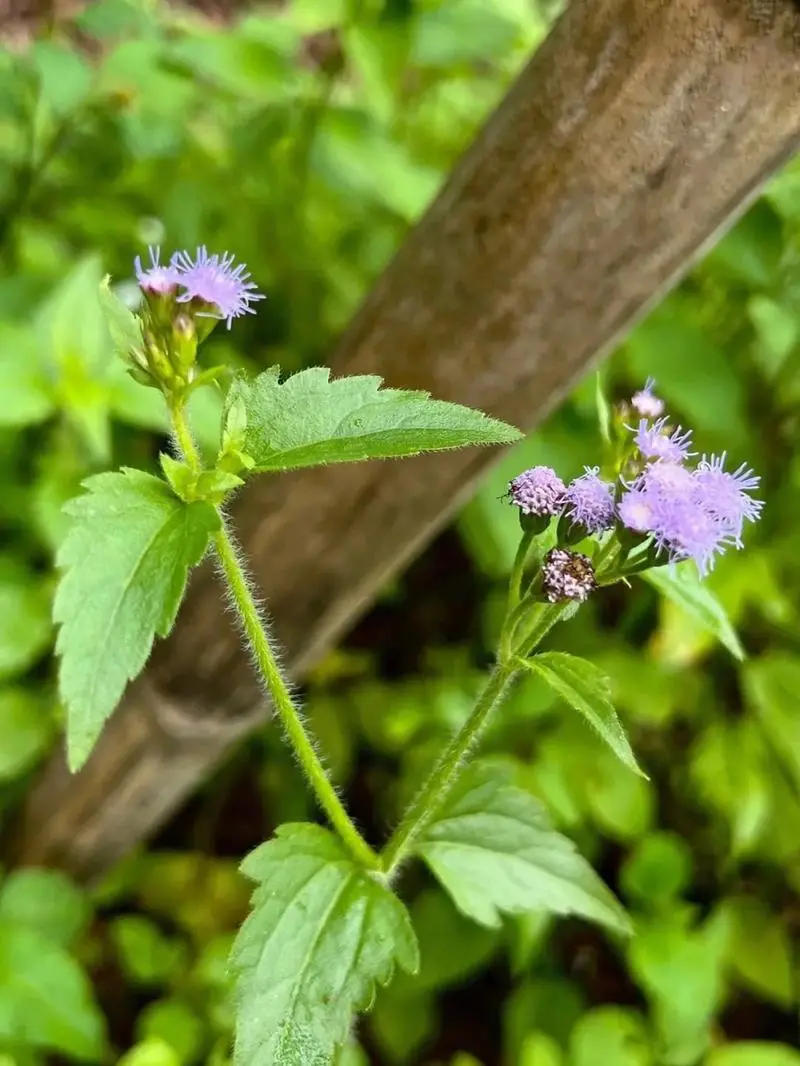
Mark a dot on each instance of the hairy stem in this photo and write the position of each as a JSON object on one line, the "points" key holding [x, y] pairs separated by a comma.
{"points": [[183, 435], [443, 776], [289, 716]]}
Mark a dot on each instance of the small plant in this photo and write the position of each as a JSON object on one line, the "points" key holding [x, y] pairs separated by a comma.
{"points": [[326, 925]]}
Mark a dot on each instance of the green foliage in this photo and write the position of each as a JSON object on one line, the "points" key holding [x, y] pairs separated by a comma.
{"points": [[47, 902], [586, 689], [681, 585], [309, 419], [149, 124], [24, 618], [321, 934], [148, 540], [753, 1053], [492, 848], [25, 730], [45, 999], [146, 955]]}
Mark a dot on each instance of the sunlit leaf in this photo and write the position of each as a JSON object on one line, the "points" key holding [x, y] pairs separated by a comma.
{"points": [[147, 540], [309, 419], [321, 934], [493, 849]]}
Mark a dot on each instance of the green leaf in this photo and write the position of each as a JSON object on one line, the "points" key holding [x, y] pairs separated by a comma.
{"points": [[753, 1053], [147, 956], [771, 687], [123, 325], [761, 952], [680, 584], [65, 77], [46, 901], [153, 1051], [174, 1022], [611, 1036], [25, 627], [308, 420], [493, 849], [322, 932], [681, 970], [28, 397], [539, 1049], [585, 688], [25, 732], [658, 870], [125, 560], [461, 31], [45, 999]]}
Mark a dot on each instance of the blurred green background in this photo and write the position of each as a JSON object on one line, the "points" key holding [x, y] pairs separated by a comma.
{"points": [[307, 136]]}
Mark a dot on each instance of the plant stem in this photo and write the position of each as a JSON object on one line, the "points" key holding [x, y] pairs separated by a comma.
{"points": [[290, 718], [514, 596], [183, 435], [443, 776]]}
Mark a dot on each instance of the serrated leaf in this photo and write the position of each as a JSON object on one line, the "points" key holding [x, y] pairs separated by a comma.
{"points": [[125, 563], [45, 998], [321, 934], [493, 848], [585, 688], [680, 584], [309, 419]]}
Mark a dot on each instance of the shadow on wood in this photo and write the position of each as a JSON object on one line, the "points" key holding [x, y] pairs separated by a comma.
{"points": [[634, 135]]}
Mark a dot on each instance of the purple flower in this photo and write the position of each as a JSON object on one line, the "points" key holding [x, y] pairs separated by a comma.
{"points": [[636, 510], [654, 442], [215, 280], [538, 491], [157, 278], [691, 514], [590, 502], [686, 530], [645, 403], [665, 476], [566, 576], [725, 495]]}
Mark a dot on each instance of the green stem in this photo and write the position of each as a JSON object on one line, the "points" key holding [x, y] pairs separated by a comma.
{"points": [[542, 618], [514, 605], [292, 723], [443, 776], [183, 435]]}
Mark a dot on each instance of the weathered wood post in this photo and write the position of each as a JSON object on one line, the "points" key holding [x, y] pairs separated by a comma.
{"points": [[634, 136]]}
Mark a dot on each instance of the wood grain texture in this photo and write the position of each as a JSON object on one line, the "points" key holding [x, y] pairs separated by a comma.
{"points": [[639, 130]]}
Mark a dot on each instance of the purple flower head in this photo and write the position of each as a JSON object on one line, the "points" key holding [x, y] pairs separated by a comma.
{"points": [[214, 280], [691, 514], [636, 510], [654, 442], [725, 495], [666, 478], [157, 278], [538, 491], [590, 502], [686, 530], [566, 576], [645, 403]]}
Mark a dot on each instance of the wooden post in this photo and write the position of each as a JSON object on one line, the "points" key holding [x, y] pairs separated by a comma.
{"points": [[639, 130]]}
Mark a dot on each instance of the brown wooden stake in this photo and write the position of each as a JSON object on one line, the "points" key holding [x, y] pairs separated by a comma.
{"points": [[638, 132]]}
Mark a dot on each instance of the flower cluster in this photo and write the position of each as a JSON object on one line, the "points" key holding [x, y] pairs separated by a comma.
{"points": [[691, 513], [211, 280], [684, 510]]}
